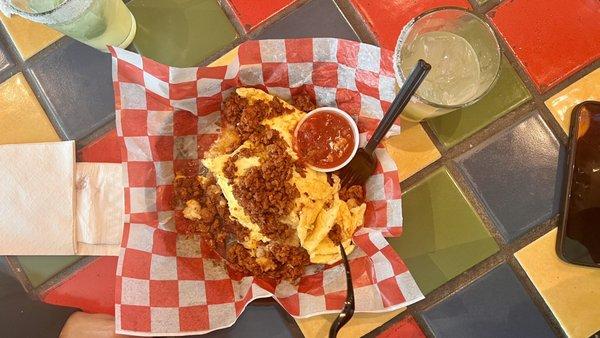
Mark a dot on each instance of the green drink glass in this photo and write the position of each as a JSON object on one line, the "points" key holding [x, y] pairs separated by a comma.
{"points": [[97, 23], [464, 56]]}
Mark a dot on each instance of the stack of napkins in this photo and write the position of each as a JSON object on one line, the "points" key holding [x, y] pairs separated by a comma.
{"points": [[50, 205]]}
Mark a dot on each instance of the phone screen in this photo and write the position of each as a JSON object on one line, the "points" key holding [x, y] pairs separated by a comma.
{"points": [[579, 236]]}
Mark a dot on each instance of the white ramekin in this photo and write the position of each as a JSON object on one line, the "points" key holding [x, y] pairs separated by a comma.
{"points": [[353, 126]]}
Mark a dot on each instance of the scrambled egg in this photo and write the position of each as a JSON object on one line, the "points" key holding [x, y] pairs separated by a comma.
{"points": [[316, 210]]}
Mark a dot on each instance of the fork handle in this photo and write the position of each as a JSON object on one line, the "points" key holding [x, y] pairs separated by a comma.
{"points": [[400, 101]]}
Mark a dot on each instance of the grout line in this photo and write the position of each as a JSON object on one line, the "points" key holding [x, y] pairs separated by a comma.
{"points": [[44, 101], [357, 22], [64, 274], [232, 16], [21, 276], [535, 296]]}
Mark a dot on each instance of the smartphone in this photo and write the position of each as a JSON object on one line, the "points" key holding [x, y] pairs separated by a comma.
{"points": [[578, 240]]}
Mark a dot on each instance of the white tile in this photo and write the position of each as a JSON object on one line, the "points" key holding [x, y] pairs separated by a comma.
{"points": [[138, 148], [311, 304], [133, 96], [325, 50], [163, 267], [299, 74], [135, 291], [156, 85], [192, 293], [142, 200], [221, 314], [209, 87], [369, 58], [164, 172], [374, 188], [164, 319], [272, 50], [140, 237], [160, 123]]}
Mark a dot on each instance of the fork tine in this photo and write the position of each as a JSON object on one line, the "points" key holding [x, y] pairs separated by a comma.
{"points": [[349, 179]]}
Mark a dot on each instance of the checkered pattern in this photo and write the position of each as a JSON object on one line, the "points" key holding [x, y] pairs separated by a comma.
{"points": [[167, 117]]}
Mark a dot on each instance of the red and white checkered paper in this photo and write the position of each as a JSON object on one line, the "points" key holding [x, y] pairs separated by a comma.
{"points": [[171, 284]]}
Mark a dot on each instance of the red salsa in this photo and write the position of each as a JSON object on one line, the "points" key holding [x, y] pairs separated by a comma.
{"points": [[325, 140]]}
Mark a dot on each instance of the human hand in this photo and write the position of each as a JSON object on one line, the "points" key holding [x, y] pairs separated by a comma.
{"points": [[81, 324]]}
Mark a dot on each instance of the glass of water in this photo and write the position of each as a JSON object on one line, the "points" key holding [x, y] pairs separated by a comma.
{"points": [[97, 23], [464, 56]]}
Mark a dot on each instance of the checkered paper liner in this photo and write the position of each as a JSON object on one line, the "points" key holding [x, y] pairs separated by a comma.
{"points": [[171, 284]]}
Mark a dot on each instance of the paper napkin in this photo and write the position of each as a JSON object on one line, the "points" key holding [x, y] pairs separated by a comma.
{"points": [[99, 208], [37, 199], [51, 206]]}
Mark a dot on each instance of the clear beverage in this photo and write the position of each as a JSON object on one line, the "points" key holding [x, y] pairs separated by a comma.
{"points": [[454, 71], [97, 23], [464, 57]]}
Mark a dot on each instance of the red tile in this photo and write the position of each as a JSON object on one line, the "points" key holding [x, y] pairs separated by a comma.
{"points": [[552, 38], [104, 149], [406, 328], [252, 12], [91, 289], [386, 18]]}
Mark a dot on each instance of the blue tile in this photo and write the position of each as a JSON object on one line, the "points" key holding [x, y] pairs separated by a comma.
{"points": [[518, 175], [77, 80], [5, 59], [495, 306], [316, 19], [259, 320]]}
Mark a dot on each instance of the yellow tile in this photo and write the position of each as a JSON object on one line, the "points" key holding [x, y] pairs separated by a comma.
{"points": [[22, 119], [561, 104], [225, 59], [571, 291], [412, 150], [29, 37], [358, 326]]}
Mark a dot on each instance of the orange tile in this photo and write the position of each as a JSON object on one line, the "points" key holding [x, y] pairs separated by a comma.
{"points": [[552, 39], [386, 18], [561, 104], [412, 150], [22, 119], [29, 37]]}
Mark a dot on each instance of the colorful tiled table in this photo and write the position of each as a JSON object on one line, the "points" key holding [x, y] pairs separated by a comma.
{"points": [[481, 184]]}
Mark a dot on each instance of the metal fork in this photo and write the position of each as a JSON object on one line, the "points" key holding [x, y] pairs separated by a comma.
{"points": [[363, 163]]}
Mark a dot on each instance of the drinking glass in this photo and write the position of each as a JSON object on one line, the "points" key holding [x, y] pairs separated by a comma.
{"points": [[97, 23], [464, 56]]}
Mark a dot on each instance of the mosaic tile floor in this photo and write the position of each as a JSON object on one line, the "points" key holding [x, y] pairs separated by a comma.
{"points": [[480, 185]]}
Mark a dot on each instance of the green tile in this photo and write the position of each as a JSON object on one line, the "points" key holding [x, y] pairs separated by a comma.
{"points": [[508, 93], [180, 33], [442, 236], [41, 268]]}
